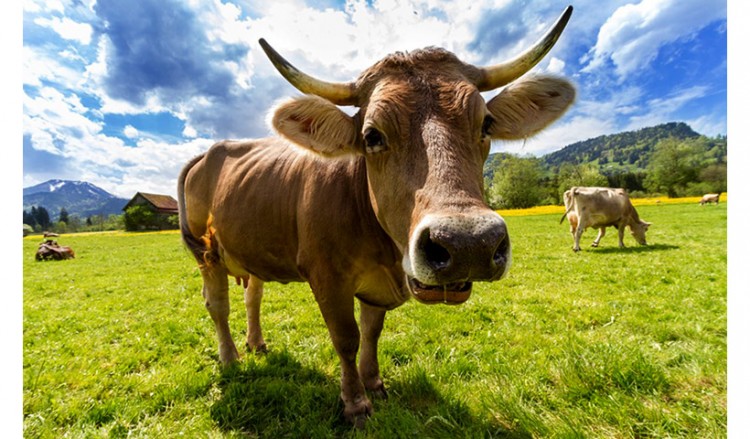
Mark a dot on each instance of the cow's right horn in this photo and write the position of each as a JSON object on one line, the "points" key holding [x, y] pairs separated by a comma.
{"points": [[339, 93], [504, 73]]}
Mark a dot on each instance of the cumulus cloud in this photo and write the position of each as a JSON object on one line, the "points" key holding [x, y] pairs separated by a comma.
{"points": [[632, 36], [68, 29], [130, 132]]}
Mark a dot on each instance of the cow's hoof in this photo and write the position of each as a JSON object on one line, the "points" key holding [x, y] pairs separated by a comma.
{"points": [[357, 414], [360, 421], [228, 356], [594, 245], [379, 392], [260, 349]]}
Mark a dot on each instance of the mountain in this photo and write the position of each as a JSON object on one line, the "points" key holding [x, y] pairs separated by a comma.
{"points": [[629, 151], [77, 197]]}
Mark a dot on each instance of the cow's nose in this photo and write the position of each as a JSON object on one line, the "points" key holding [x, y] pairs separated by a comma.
{"points": [[460, 248]]}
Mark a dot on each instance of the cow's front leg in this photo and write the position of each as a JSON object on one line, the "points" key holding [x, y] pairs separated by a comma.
{"points": [[253, 297], [599, 237], [371, 319], [216, 295], [621, 234], [338, 313]]}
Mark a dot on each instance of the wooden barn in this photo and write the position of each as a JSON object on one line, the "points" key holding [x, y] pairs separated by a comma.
{"points": [[154, 211]]}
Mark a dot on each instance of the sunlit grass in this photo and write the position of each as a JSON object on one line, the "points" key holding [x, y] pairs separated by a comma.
{"points": [[605, 343]]}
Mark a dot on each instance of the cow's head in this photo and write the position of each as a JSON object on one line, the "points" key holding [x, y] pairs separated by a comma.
{"points": [[425, 131], [638, 229]]}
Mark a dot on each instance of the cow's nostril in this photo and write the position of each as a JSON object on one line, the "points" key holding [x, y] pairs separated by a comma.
{"points": [[437, 256], [501, 253]]}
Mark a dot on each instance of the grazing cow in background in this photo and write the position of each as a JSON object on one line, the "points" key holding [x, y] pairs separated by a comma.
{"points": [[710, 198], [600, 207], [382, 206]]}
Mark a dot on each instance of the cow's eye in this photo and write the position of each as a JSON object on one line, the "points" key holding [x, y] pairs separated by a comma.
{"points": [[374, 141], [486, 125]]}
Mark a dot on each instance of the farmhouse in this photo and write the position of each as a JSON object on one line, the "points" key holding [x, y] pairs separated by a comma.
{"points": [[150, 211]]}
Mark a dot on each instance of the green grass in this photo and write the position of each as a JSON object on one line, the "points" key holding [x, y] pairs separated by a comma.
{"points": [[606, 343]]}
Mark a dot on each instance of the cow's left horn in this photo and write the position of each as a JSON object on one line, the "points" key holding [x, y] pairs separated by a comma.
{"points": [[504, 73], [340, 93]]}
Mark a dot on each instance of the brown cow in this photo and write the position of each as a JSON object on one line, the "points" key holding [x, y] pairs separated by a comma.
{"points": [[381, 206], [600, 207], [710, 198], [50, 249]]}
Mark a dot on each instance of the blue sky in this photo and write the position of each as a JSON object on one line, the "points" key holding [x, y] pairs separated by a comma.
{"points": [[122, 94]]}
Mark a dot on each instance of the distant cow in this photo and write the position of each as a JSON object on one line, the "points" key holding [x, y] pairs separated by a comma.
{"points": [[51, 235], [710, 198], [600, 208], [382, 206], [50, 249]]}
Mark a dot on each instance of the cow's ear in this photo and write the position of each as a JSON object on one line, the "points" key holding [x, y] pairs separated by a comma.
{"points": [[527, 106], [316, 124]]}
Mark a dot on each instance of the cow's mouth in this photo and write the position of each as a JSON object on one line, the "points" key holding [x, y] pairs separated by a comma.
{"points": [[451, 294]]}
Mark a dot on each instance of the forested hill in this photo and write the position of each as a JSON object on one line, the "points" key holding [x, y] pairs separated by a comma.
{"points": [[615, 153]]}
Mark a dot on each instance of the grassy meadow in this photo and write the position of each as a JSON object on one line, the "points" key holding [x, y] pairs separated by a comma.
{"points": [[605, 343]]}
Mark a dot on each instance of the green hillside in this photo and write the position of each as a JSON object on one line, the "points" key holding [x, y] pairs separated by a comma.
{"points": [[622, 152]]}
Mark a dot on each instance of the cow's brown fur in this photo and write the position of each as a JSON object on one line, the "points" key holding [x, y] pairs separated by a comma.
{"points": [[316, 205], [600, 208]]}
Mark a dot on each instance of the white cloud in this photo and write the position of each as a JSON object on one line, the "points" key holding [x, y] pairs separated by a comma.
{"points": [[632, 36], [130, 132], [68, 29], [662, 110], [189, 132]]}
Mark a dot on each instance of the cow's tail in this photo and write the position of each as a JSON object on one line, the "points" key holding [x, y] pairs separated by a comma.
{"points": [[197, 246], [567, 199], [566, 214]]}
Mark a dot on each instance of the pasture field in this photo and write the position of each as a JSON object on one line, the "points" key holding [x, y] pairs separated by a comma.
{"points": [[606, 343]]}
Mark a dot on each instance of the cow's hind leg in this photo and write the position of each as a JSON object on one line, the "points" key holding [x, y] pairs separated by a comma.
{"points": [[599, 237], [371, 319], [253, 297], [577, 237], [216, 295]]}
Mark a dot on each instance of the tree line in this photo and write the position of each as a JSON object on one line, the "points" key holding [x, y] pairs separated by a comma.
{"points": [[676, 167], [38, 219], [135, 218]]}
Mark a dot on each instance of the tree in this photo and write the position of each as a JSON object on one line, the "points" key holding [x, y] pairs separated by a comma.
{"points": [[715, 176], [139, 217], [29, 219], [63, 215], [41, 216], [674, 164], [516, 183]]}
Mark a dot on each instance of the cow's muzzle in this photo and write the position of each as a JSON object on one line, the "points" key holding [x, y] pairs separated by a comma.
{"points": [[447, 253]]}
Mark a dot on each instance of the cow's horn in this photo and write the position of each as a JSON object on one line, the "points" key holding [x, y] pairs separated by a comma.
{"points": [[340, 93], [502, 74]]}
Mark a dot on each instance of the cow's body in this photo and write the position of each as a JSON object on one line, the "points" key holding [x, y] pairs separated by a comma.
{"points": [[710, 198], [382, 206], [298, 210], [599, 208]]}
